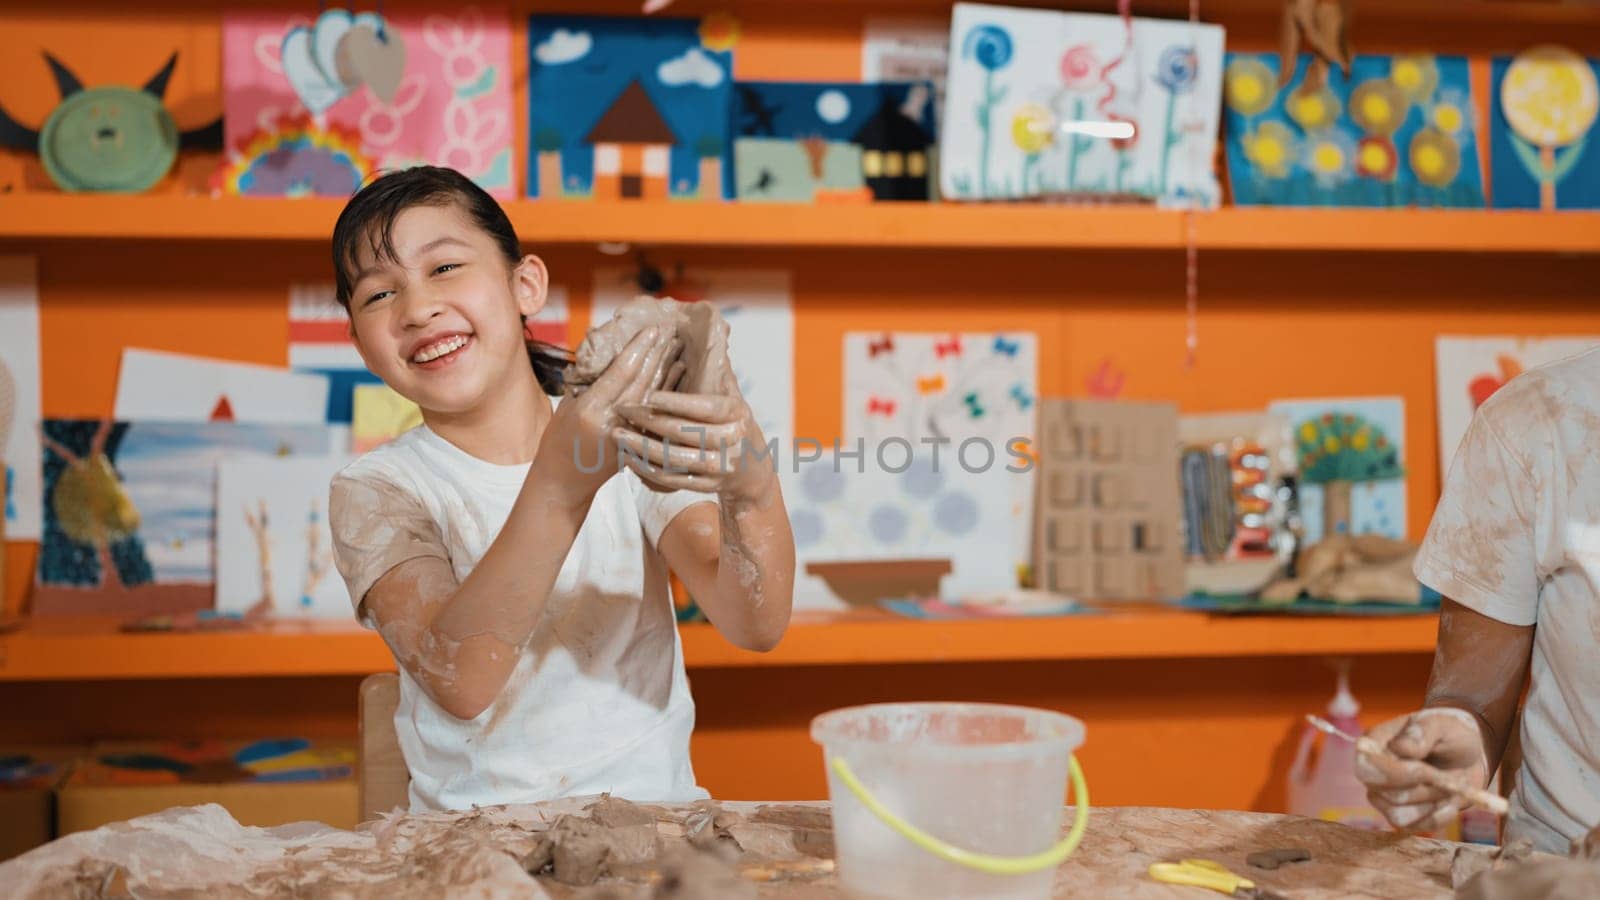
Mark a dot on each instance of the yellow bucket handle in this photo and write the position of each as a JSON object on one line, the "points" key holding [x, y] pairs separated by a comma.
{"points": [[983, 862]]}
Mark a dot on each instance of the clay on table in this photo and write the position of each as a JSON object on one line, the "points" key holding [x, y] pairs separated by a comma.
{"points": [[698, 325]]}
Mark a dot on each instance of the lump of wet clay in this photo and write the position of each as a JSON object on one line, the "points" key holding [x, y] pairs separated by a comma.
{"points": [[1272, 859], [698, 325], [584, 849]]}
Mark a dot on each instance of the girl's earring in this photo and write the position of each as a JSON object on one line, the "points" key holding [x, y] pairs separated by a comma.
{"points": [[527, 329]]}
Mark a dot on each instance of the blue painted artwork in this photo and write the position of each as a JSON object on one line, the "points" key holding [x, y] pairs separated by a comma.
{"points": [[805, 142], [1398, 131], [1376, 506], [630, 108], [130, 508], [1542, 149]]}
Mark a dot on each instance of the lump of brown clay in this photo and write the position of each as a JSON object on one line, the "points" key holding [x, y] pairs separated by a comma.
{"points": [[693, 875], [1272, 859], [698, 325], [584, 849]]}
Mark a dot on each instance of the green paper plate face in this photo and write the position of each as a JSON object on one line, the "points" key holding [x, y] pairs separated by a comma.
{"points": [[110, 139]]}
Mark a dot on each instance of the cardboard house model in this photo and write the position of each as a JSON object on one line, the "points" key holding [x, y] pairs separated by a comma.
{"points": [[1107, 510], [632, 148]]}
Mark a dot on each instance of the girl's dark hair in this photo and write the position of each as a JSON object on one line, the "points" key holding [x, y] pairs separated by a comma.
{"points": [[368, 221]]}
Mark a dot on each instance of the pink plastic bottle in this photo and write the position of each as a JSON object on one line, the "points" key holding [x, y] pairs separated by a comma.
{"points": [[1322, 780]]}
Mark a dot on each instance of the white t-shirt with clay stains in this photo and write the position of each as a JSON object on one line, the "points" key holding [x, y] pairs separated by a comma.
{"points": [[599, 701], [1516, 537]]}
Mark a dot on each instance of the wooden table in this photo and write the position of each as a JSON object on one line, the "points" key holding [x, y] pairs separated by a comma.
{"points": [[204, 851]]}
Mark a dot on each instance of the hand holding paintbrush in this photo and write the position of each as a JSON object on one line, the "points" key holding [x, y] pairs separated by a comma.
{"points": [[1448, 782]]}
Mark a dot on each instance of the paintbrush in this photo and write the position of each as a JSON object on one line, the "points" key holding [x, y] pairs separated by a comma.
{"points": [[1436, 777]]}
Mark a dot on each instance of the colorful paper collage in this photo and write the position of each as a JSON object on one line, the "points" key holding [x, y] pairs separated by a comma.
{"points": [[1471, 369], [438, 91], [169, 387], [833, 142], [756, 303], [1017, 75], [131, 509], [319, 342], [274, 546], [104, 52], [19, 397], [629, 108], [1351, 430], [1399, 131], [1543, 112], [920, 386], [864, 532]]}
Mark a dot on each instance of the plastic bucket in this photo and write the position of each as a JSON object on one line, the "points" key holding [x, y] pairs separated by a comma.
{"points": [[950, 799]]}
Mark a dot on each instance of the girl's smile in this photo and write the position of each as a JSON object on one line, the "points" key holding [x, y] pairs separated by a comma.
{"points": [[440, 350]]}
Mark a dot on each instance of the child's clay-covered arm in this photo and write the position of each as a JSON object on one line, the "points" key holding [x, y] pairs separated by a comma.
{"points": [[1481, 666], [1478, 673], [736, 557]]}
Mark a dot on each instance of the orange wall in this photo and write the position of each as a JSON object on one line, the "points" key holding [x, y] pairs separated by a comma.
{"points": [[1177, 732]]}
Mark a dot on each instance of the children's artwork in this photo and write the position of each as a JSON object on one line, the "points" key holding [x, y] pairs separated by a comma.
{"points": [[1544, 104], [130, 510], [274, 546], [170, 387], [380, 416], [1351, 459], [833, 142], [958, 388], [19, 397], [1027, 88], [907, 49], [1471, 369], [316, 105], [1398, 131], [135, 141], [756, 305], [895, 524], [630, 108], [319, 342]]}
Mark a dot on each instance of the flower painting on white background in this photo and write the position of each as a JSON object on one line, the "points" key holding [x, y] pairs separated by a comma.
{"points": [[1017, 75]]}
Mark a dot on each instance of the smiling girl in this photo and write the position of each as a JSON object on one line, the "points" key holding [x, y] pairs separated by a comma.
{"points": [[522, 589]]}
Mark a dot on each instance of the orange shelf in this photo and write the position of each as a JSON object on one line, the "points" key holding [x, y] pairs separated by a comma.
{"points": [[882, 225], [92, 649]]}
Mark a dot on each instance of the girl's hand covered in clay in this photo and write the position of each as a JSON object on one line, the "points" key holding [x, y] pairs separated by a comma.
{"points": [[1446, 738], [697, 442], [577, 449]]}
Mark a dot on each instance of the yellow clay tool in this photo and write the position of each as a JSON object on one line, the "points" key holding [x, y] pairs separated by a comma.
{"points": [[1203, 873]]}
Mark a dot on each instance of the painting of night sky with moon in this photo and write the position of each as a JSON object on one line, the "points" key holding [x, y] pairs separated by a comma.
{"points": [[831, 142]]}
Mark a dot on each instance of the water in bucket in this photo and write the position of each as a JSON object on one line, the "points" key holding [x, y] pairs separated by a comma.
{"points": [[984, 778]]}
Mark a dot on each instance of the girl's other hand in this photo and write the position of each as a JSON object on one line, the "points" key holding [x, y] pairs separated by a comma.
{"points": [[577, 451], [697, 442]]}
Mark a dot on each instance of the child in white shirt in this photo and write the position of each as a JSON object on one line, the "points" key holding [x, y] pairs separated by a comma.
{"points": [[518, 576], [1515, 547]]}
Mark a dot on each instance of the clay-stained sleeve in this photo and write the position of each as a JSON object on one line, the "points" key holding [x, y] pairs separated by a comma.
{"points": [[1483, 549], [376, 526]]}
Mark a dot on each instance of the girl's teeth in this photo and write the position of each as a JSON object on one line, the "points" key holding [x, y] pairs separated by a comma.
{"points": [[428, 354]]}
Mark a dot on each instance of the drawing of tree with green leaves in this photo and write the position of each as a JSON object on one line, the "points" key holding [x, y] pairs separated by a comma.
{"points": [[1337, 450]]}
